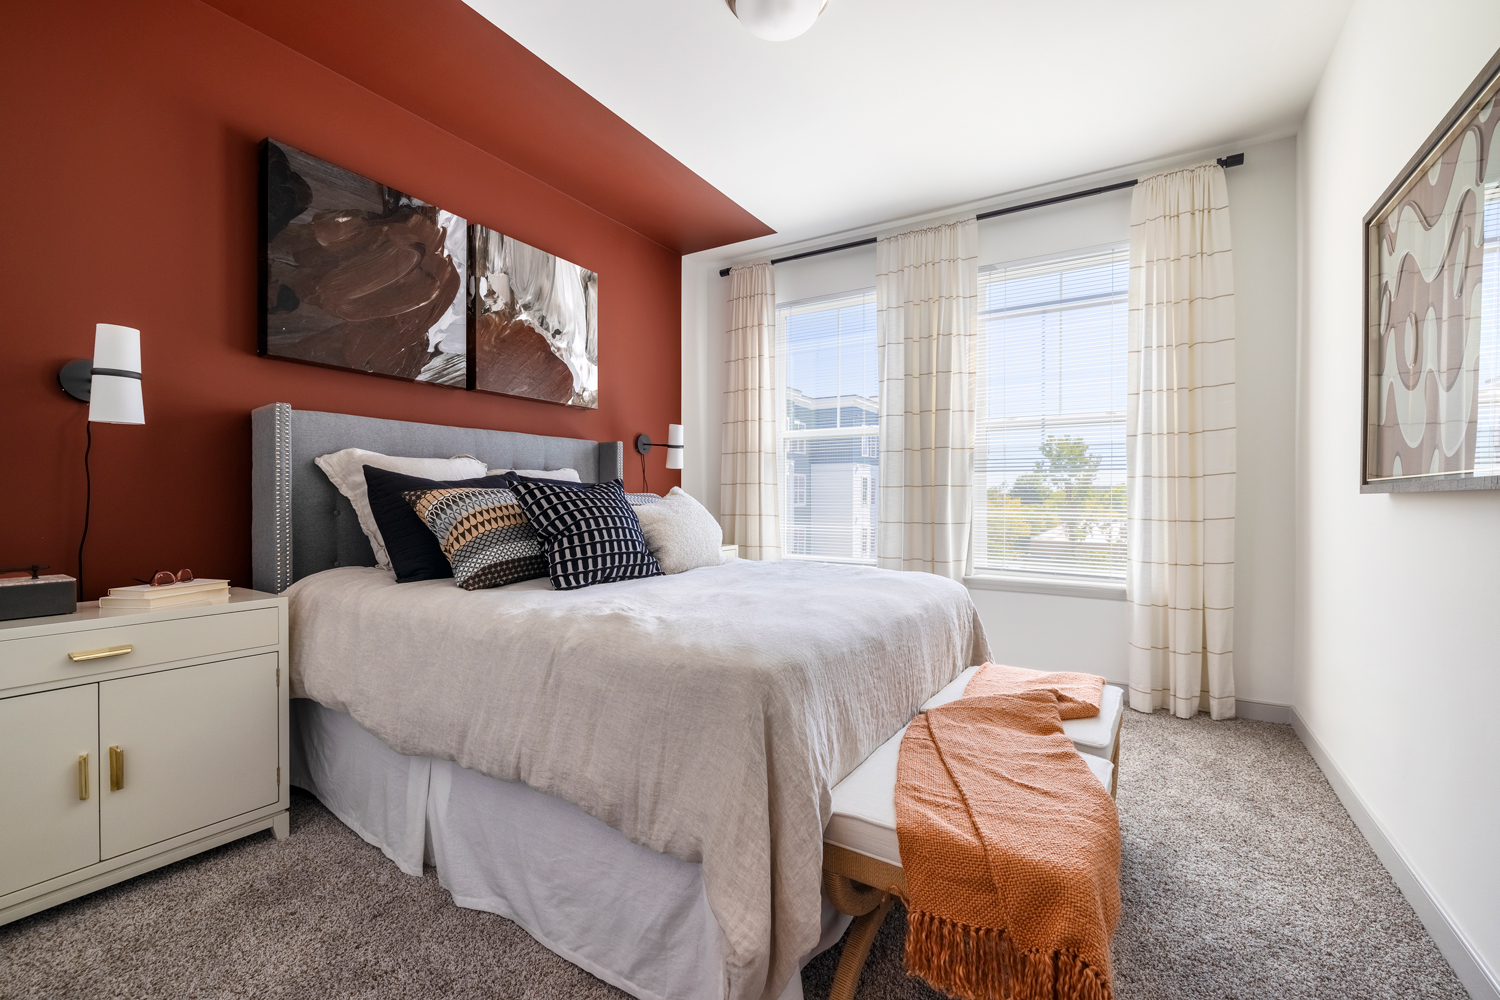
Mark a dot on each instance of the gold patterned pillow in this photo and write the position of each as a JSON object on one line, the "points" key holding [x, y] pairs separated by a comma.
{"points": [[484, 533]]}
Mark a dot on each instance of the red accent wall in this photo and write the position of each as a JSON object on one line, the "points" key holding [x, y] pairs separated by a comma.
{"points": [[529, 115], [130, 179]]}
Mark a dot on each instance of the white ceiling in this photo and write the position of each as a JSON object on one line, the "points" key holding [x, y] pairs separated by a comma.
{"points": [[888, 109]]}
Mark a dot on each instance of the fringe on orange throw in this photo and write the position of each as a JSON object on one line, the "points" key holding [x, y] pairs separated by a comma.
{"points": [[1011, 849]]}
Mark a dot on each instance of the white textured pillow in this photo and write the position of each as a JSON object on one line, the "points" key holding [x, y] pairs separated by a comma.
{"points": [[560, 475], [680, 532], [346, 470]]}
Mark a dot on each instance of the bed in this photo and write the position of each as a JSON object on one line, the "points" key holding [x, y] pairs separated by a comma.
{"points": [[638, 773]]}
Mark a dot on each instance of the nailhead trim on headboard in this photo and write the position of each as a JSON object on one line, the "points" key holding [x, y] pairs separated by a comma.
{"points": [[283, 496]]}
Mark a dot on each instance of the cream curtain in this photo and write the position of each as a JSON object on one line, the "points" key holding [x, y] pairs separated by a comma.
{"points": [[748, 481], [1180, 444], [927, 315]]}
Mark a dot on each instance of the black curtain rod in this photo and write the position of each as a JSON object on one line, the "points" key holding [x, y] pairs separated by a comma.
{"points": [[1232, 160]]}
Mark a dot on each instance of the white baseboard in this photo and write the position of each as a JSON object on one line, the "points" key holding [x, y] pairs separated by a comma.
{"points": [[1260, 711], [1263, 711], [1481, 982]]}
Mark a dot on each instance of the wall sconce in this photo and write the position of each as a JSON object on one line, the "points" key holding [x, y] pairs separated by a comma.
{"points": [[674, 445], [110, 383]]}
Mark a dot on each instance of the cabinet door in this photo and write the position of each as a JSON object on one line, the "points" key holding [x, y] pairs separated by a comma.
{"points": [[196, 745], [49, 817]]}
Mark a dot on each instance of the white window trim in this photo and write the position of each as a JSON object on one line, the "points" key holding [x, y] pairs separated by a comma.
{"points": [[1103, 590]]}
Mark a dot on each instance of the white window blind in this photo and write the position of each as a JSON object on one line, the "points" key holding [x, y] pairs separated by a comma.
{"points": [[1049, 452], [828, 430]]}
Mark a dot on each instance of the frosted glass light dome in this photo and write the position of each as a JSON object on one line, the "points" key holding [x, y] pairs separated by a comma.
{"points": [[777, 20]]}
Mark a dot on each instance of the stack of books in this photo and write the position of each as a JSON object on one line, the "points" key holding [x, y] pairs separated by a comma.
{"points": [[173, 595]]}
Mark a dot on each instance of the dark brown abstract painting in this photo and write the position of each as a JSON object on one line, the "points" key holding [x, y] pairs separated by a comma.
{"points": [[358, 275], [534, 326]]}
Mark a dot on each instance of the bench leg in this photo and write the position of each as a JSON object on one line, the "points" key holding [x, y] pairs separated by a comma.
{"points": [[857, 949], [1114, 775]]}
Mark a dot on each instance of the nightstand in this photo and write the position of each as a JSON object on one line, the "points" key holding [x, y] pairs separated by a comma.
{"points": [[132, 739], [730, 552]]}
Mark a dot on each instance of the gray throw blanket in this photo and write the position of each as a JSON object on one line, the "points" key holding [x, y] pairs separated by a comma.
{"points": [[705, 715]]}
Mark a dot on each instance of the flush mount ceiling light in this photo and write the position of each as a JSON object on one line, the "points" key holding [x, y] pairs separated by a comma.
{"points": [[776, 20]]}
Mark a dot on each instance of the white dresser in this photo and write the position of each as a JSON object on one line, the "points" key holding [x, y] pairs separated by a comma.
{"points": [[131, 739]]}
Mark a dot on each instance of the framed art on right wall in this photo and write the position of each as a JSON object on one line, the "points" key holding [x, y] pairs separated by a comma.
{"points": [[1432, 309]]}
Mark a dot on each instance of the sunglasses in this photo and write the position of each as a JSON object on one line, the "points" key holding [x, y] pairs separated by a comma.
{"points": [[166, 578]]}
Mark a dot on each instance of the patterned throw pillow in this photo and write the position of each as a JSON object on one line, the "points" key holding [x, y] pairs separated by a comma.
{"points": [[588, 531], [483, 532], [413, 550], [642, 499]]}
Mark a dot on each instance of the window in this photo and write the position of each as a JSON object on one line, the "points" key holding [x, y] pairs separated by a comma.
{"points": [[799, 489], [829, 438], [1049, 455]]}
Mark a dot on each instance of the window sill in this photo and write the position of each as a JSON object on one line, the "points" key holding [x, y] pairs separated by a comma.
{"points": [[1053, 586]]}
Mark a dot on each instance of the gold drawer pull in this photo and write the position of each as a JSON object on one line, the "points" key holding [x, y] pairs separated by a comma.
{"points": [[83, 777], [99, 654], [116, 769]]}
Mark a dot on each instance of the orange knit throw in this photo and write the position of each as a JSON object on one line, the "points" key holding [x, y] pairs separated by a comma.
{"points": [[1011, 849], [1078, 695]]}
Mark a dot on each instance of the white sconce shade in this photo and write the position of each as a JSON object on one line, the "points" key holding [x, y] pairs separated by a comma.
{"points": [[674, 446], [777, 20], [115, 393]]}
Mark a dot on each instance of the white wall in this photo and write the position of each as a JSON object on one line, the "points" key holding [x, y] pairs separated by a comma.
{"points": [[1077, 633], [1397, 653], [1263, 220]]}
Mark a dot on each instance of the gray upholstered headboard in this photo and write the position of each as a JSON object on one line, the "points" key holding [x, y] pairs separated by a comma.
{"points": [[300, 524]]}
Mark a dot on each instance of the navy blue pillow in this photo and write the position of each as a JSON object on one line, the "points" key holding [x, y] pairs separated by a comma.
{"points": [[588, 531], [413, 549]]}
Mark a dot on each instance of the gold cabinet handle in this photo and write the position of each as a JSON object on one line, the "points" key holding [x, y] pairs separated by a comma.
{"points": [[99, 654], [116, 769], [83, 777]]}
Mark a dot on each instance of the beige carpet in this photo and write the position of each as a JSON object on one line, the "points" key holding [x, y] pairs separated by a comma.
{"points": [[1243, 877]]}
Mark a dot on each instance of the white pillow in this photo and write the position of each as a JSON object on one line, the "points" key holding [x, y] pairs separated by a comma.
{"points": [[561, 475], [346, 470], [680, 532]]}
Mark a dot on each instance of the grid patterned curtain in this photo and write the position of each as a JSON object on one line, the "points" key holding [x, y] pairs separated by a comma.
{"points": [[748, 484], [1180, 444], [926, 318]]}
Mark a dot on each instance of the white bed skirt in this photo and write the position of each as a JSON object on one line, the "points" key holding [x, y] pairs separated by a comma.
{"points": [[635, 918]]}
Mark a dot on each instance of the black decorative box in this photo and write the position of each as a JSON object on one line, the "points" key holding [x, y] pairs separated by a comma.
{"points": [[35, 596]]}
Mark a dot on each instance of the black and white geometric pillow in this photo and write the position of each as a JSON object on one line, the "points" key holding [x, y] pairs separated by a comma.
{"points": [[642, 499], [484, 533], [588, 532]]}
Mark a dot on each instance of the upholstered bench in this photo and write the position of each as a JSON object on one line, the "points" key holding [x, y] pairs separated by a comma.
{"points": [[861, 857]]}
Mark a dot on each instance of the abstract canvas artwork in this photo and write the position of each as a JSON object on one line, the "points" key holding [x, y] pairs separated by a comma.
{"points": [[358, 275], [1432, 313], [533, 322]]}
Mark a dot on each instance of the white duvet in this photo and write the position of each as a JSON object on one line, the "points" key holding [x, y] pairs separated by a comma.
{"points": [[705, 715]]}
